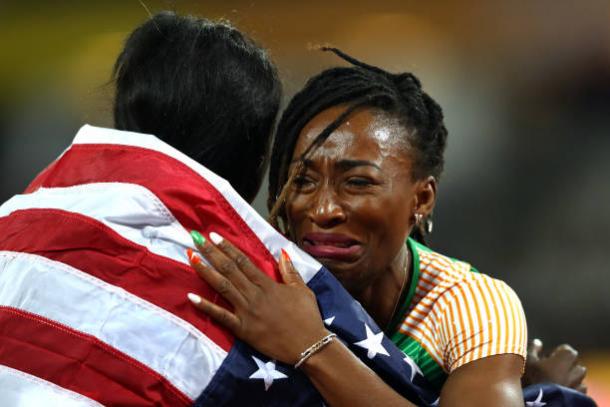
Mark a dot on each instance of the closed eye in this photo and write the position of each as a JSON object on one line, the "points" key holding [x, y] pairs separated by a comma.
{"points": [[302, 182], [359, 181]]}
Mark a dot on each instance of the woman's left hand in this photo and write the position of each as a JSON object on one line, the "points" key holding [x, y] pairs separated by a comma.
{"points": [[278, 320]]}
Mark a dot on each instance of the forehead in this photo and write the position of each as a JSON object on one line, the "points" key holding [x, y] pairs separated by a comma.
{"points": [[367, 134]]}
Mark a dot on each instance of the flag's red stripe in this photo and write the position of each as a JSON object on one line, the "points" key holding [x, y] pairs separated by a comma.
{"points": [[80, 362], [195, 203], [94, 248]]}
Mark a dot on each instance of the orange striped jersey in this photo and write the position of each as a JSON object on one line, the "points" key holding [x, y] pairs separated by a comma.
{"points": [[453, 315]]}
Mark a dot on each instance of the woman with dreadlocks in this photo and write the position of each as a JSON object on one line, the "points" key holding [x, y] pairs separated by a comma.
{"points": [[354, 173]]}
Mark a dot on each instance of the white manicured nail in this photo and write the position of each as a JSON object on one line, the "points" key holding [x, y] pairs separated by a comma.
{"points": [[215, 238], [195, 299]]}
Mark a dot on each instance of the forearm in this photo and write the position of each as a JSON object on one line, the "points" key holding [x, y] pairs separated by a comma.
{"points": [[343, 380], [494, 380], [496, 394]]}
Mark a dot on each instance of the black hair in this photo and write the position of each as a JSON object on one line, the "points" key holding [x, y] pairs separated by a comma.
{"points": [[204, 88], [360, 85]]}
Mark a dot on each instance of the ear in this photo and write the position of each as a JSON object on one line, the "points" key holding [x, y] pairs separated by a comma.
{"points": [[425, 195]]}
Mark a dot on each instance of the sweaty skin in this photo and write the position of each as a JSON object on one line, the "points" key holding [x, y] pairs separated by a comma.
{"points": [[352, 208], [374, 204], [359, 184]]}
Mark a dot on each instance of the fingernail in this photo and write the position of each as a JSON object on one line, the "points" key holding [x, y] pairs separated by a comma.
{"points": [[197, 238], [193, 257], [194, 298], [215, 238], [285, 255]]}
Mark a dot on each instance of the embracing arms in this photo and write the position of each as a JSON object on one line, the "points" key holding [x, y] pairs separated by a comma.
{"points": [[282, 320]]}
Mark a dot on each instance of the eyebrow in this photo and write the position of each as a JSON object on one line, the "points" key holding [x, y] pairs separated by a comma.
{"points": [[345, 165]]}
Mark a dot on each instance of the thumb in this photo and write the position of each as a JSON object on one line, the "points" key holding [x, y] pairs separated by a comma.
{"points": [[534, 348], [289, 274]]}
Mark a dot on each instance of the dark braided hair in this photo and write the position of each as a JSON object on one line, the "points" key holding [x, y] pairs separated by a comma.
{"points": [[360, 85]]}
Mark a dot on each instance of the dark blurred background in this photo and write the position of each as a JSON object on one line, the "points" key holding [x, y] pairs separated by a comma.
{"points": [[525, 87]]}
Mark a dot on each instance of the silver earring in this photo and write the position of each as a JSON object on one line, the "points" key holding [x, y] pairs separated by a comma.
{"points": [[418, 218], [429, 225]]}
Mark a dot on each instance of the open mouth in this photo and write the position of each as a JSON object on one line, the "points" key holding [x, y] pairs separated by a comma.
{"points": [[332, 246]]}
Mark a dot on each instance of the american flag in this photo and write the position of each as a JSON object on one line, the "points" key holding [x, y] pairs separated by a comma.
{"points": [[93, 284]]}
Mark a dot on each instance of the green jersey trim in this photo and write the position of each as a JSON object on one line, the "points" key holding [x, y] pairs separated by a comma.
{"points": [[406, 301], [430, 368], [432, 371]]}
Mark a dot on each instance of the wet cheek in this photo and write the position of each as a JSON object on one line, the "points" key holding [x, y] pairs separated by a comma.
{"points": [[296, 212], [386, 224], [373, 217], [378, 229], [296, 207], [374, 209]]}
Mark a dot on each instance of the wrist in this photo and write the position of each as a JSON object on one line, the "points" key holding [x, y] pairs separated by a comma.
{"points": [[323, 359], [325, 339]]}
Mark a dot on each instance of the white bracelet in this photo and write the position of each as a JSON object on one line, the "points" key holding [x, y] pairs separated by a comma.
{"points": [[306, 354]]}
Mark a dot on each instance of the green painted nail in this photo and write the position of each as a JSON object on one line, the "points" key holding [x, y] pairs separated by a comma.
{"points": [[197, 238]]}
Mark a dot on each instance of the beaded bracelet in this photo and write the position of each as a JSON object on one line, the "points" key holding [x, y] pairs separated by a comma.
{"points": [[306, 354]]}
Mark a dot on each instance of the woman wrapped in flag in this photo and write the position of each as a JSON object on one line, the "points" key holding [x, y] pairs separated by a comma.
{"points": [[93, 269], [354, 172], [92, 264]]}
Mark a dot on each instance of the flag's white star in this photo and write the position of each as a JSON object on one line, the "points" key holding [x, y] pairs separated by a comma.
{"points": [[413, 366], [267, 372], [329, 321], [538, 402], [372, 343]]}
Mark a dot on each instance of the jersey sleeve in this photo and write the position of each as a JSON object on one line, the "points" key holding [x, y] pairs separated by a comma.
{"points": [[482, 317]]}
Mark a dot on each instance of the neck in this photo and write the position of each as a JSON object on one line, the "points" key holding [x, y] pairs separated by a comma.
{"points": [[390, 285]]}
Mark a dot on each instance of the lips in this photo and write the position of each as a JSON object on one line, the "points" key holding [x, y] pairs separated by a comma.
{"points": [[332, 246]]}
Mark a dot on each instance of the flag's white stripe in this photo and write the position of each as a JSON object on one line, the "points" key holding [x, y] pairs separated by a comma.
{"points": [[149, 334], [274, 241], [131, 210], [20, 389]]}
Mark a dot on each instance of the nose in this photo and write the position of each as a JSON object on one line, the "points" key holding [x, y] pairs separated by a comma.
{"points": [[326, 210]]}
